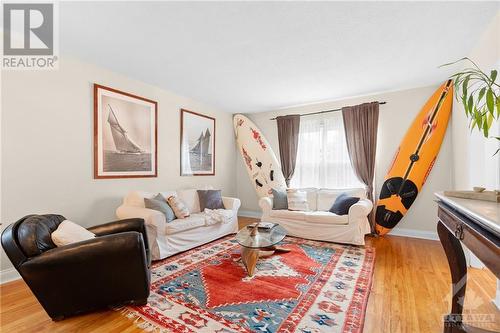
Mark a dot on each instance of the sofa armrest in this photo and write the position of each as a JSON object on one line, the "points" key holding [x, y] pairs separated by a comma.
{"points": [[360, 209], [231, 203], [266, 204], [90, 274]]}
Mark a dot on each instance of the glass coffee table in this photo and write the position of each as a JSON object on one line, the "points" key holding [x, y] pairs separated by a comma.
{"points": [[257, 243]]}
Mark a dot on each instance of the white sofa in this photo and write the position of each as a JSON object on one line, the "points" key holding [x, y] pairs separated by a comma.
{"points": [[318, 223], [166, 239]]}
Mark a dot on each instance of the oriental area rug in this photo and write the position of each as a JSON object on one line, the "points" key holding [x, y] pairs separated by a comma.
{"points": [[317, 287]]}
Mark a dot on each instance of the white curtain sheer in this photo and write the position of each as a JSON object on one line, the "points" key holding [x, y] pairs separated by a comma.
{"points": [[322, 157]]}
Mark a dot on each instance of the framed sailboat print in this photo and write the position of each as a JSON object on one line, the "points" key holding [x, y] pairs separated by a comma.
{"points": [[197, 144], [125, 134]]}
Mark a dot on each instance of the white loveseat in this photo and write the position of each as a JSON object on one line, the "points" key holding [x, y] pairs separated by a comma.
{"points": [[318, 223], [166, 239]]}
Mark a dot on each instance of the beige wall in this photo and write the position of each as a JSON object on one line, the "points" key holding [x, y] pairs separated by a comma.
{"points": [[47, 145], [395, 118], [472, 153]]}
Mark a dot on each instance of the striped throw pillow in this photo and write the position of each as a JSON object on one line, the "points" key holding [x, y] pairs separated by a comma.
{"points": [[297, 200], [179, 208]]}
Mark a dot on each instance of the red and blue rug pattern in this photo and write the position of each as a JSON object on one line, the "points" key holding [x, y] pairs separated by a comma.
{"points": [[317, 287]]}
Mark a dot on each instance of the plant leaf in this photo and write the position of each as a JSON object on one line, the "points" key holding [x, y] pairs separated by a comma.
{"points": [[493, 75], [481, 94], [470, 104], [465, 84], [473, 124], [454, 62], [489, 100]]}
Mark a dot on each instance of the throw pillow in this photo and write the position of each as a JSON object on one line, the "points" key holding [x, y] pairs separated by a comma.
{"points": [[342, 204], [179, 208], [160, 204], [297, 200], [279, 200], [211, 199], [69, 232]]}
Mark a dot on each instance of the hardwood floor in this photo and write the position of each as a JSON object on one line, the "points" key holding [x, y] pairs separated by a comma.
{"points": [[409, 294]]}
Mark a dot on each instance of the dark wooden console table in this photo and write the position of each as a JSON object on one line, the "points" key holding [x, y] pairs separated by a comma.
{"points": [[476, 225]]}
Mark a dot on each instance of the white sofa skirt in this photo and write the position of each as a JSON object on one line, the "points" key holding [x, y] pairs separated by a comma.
{"points": [[347, 234], [168, 245]]}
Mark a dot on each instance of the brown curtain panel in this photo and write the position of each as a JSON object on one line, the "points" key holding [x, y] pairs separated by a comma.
{"points": [[361, 123], [288, 138]]}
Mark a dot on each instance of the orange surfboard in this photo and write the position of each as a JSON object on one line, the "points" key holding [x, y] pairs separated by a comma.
{"points": [[414, 159]]}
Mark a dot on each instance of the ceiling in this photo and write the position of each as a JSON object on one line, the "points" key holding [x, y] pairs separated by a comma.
{"points": [[259, 56]]}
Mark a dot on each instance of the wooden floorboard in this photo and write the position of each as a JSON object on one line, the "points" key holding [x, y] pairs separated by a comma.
{"points": [[410, 293]]}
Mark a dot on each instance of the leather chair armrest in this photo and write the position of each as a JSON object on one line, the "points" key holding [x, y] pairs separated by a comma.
{"points": [[133, 224], [91, 274]]}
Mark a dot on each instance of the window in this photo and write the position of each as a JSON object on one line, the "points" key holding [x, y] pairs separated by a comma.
{"points": [[322, 157]]}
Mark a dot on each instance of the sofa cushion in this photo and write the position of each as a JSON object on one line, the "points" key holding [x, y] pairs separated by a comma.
{"points": [[297, 200], [160, 204], [190, 199], [211, 199], [343, 203], [191, 222], [279, 199], [288, 214], [326, 197], [312, 197], [326, 218], [136, 198], [178, 206]]}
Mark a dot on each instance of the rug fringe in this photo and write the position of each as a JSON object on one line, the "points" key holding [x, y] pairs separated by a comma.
{"points": [[140, 321]]}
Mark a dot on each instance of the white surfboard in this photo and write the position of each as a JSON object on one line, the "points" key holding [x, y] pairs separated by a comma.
{"points": [[261, 163]]}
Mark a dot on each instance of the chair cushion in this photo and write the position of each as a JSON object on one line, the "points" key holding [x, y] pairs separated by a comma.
{"points": [[279, 200], [342, 204], [326, 218], [191, 222], [288, 214], [69, 232], [34, 232], [211, 199], [160, 204]]}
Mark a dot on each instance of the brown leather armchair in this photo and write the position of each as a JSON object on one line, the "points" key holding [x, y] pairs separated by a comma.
{"points": [[111, 269]]}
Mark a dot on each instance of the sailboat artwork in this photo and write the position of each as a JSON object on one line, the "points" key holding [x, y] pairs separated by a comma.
{"points": [[125, 135], [122, 142], [197, 144], [200, 155]]}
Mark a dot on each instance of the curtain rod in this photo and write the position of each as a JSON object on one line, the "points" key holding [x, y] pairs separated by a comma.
{"points": [[326, 111]]}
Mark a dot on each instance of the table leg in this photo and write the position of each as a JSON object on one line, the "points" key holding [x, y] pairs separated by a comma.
{"points": [[249, 258], [458, 268]]}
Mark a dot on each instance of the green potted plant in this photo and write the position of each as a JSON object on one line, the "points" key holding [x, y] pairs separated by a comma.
{"points": [[480, 96]]}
